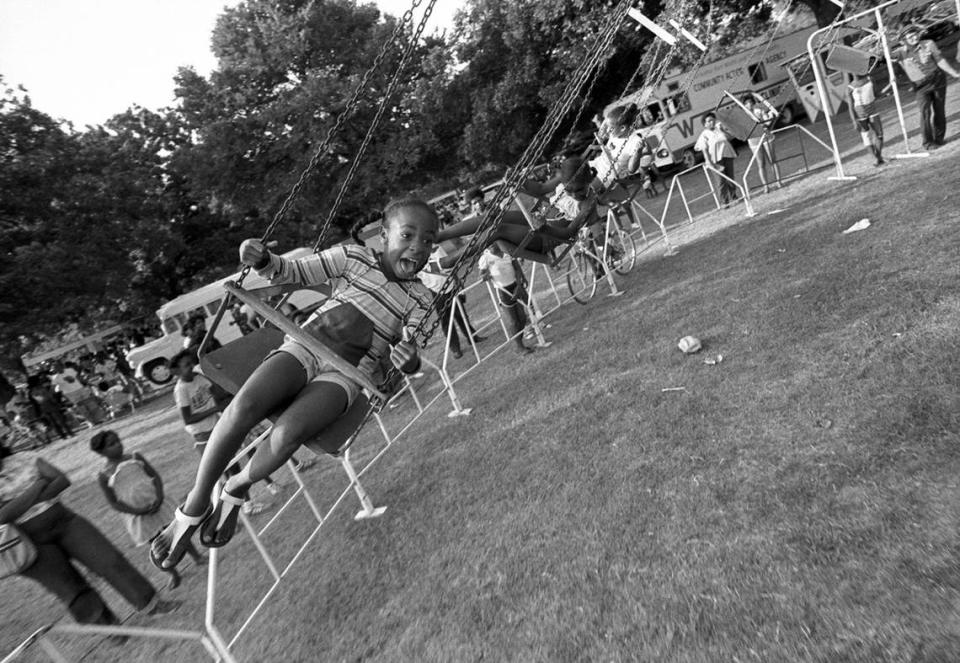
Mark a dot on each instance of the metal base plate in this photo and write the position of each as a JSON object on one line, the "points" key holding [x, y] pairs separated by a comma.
{"points": [[366, 515]]}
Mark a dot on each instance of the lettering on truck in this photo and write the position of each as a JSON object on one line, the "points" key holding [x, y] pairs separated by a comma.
{"points": [[686, 126]]}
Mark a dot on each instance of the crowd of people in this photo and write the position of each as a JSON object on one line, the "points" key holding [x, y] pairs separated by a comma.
{"points": [[61, 397]]}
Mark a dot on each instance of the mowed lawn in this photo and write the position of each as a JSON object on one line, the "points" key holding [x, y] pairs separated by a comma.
{"points": [[797, 502]]}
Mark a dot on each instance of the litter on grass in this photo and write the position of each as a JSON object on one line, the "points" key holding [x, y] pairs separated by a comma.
{"points": [[689, 344], [713, 361], [862, 224], [673, 389]]}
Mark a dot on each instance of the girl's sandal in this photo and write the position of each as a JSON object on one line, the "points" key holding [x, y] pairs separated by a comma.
{"points": [[166, 553], [222, 524]]}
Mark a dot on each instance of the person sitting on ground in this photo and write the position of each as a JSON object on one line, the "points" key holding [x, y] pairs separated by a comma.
{"points": [[500, 270], [762, 136], [376, 306], [714, 143], [867, 118], [574, 196], [133, 488], [30, 490]]}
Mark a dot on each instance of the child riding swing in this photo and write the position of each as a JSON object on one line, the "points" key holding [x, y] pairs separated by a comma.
{"points": [[377, 303]]}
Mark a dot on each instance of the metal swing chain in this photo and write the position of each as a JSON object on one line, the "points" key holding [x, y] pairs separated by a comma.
{"points": [[518, 174], [651, 83], [334, 130], [374, 125], [586, 98]]}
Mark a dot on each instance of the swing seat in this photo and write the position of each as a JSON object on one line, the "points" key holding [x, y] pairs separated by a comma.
{"points": [[230, 366], [736, 121], [851, 60]]}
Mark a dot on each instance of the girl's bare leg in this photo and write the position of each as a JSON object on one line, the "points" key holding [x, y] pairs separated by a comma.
{"points": [[275, 382], [762, 170], [771, 155], [470, 226], [317, 406]]}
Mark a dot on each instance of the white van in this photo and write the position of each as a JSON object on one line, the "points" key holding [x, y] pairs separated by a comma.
{"points": [[150, 360], [671, 118]]}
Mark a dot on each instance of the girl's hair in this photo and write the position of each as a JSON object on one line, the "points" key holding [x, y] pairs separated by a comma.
{"points": [[362, 221], [708, 116], [623, 116], [99, 441], [399, 204], [748, 99]]}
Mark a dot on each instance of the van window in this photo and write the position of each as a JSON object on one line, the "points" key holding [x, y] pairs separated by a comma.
{"points": [[213, 306], [651, 114], [676, 104], [758, 73], [170, 326]]}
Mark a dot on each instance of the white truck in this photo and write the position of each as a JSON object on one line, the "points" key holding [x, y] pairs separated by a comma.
{"points": [[150, 360], [671, 116]]}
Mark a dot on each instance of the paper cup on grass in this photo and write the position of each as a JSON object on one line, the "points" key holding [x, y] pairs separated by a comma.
{"points": [[689, 344]]}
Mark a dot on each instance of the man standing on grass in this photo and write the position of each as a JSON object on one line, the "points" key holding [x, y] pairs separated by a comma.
{"points": [[925, 66]]}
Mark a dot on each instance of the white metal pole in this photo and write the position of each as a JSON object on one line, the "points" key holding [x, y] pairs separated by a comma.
{"points": [[893, 84], [825, 101]]}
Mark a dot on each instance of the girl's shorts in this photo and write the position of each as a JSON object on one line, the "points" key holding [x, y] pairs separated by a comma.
{"points": [[318, 370]]}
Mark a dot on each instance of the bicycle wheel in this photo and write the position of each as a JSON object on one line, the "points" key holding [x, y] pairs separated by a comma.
{"points": [[621, 252], [582, 277]]}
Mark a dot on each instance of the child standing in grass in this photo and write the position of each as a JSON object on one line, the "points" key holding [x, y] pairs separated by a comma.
{"points": [[500, 270], [867, 119], [714, 143], [133, 488]]}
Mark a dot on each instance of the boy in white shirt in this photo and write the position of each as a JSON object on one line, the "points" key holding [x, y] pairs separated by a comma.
{"points": [[719, 153], [499, 269]]}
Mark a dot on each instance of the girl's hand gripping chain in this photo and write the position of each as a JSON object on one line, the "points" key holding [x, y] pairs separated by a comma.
{"points": [[404, 354], [255, 253]]}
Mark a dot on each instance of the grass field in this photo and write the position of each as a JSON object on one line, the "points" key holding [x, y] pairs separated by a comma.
{"points": [[797, 502]]}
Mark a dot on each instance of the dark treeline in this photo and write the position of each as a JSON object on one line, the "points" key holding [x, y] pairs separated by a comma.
{"points": [[106, 222]]}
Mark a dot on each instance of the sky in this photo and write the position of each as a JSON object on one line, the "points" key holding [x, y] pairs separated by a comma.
{"points": [[86, 60]]}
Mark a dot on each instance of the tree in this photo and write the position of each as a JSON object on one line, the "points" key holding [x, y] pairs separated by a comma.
{"points": [[285, 70]]}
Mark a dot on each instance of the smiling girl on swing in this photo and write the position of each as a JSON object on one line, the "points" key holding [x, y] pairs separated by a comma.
{"points": [[376, 304]]}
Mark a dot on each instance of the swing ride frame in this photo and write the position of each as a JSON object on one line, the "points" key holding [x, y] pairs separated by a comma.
{"points": [[815, 44]]}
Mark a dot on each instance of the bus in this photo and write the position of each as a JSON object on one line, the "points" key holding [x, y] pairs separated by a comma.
{"points": [[151, 360], [671, 117]]}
